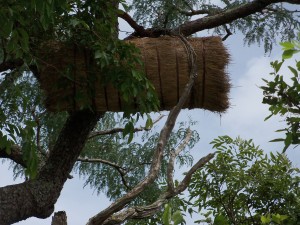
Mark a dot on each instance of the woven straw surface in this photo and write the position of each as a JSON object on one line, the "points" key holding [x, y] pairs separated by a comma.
{"points": [[70, 79]]}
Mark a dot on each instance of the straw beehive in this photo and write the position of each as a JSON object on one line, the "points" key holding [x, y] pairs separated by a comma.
{"points": [[71, 79]]}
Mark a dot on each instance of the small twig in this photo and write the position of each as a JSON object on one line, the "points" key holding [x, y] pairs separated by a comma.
{"points": [[192, 12], [121, 170], [228, 33], [121, 129]]}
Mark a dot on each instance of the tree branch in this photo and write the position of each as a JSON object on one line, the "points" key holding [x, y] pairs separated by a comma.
{"points": [[121, 129], [228, 33], [15, 155], [174, 154], [225, 17], [125, 16], [121, 170], [10, 65], [158, 154], [212, 21], [139, 212]]}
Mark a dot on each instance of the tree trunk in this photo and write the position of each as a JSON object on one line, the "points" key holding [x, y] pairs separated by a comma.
{"points": [[37, 197]]}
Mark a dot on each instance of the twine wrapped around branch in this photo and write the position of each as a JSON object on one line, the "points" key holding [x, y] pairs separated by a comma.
{"points": [[166, 65]]}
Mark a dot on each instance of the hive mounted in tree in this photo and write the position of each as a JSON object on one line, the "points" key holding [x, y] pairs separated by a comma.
{"points": [[166, 65]]}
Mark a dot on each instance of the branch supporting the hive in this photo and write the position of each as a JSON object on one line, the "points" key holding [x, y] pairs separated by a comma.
{"points": [[225, 17], [125, 16], [213, 20], [119, 204]]}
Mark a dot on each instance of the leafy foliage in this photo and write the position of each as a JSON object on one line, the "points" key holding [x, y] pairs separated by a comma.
{"points": [[242, 183], [284, 97], [273, 219], [170, 218]]}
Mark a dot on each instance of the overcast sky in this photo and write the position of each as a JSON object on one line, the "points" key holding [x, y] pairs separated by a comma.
{"points": [[245, 118]]}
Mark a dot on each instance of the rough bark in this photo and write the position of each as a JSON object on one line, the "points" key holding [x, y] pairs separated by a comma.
{"points": [[59, 218], [37, 197]]}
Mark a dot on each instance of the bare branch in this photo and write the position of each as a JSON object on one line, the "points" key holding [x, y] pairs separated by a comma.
{"points": [[186, 180], [174, 154], [158, 154], [192, 12], [228, 33], [121, 129], [121, 170], [270, 9]]}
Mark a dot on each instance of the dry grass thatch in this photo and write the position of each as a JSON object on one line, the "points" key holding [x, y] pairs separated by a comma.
{"points": [[68, 75]]}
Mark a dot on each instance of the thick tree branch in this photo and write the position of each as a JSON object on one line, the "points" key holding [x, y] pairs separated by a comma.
{"points": [[227, 16], [214, 20], [15, 155], [158, 154], [149, 210], [37, 197], [125, 16]]}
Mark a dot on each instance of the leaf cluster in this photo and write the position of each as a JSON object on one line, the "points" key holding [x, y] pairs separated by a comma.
{"points": [[242, 183], [284, 97]]}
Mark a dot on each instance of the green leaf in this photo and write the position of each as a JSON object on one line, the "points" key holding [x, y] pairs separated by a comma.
{"points": [[293, 70], [265, 219], [221, 220], [287, 54], [177, 218], [167, 215], [287, 45], [149, 122], [277, 140]]}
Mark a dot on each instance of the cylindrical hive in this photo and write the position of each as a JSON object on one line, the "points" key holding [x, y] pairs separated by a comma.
{"points": [[69, 75]]}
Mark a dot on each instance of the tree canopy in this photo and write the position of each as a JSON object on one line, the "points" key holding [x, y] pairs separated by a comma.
{"points": [[138, 174]]}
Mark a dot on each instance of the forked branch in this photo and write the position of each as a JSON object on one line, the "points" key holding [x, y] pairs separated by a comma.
{"points": [[139, 212], [118, 205]]}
